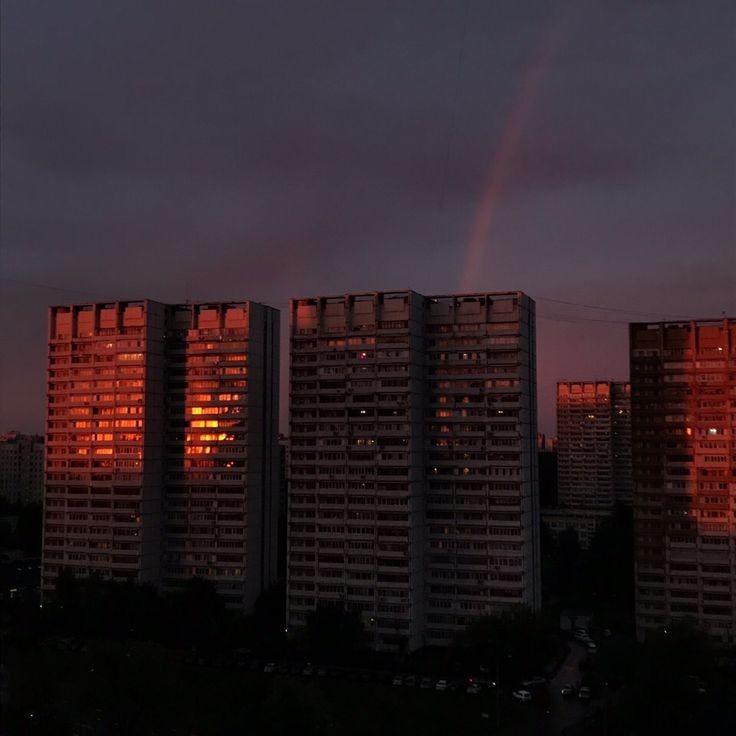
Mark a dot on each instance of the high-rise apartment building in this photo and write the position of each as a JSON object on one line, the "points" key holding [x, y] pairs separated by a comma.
{"points": [[413, 470], [683, 388], [161, 434], [21, 468], [221, 447], [593, 455], [593, 443]]}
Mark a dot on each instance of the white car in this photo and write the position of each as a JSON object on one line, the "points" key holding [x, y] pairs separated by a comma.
{"points": [[441, 685], [584, 693], [523, 696], [270, 667], [592, 648], [398, 680]]}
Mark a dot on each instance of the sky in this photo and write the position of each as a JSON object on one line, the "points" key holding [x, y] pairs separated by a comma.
{"points": [[583, 152]]}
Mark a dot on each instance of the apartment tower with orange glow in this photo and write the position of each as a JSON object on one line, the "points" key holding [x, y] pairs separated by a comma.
{"points": [[412, 493], [683, 390], [162, 455]]}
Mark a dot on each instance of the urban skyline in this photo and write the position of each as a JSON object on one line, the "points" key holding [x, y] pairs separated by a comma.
{"points": [[367, 368], [27, 417]]}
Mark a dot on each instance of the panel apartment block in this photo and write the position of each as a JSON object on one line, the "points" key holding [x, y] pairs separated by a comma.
{"points": [[162, 444], [413, 460], [104, 463], [222, 452], [683, 386], [481, 465], [21, 468], [593, 434], [356, 514]]}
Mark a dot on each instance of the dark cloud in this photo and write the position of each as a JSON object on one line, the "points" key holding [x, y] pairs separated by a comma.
{"points": [[171, 148]]}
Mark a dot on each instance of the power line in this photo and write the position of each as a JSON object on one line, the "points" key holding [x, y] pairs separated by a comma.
{"points": [[609, 309], [51, 287], [578, 320], [285, 303]]}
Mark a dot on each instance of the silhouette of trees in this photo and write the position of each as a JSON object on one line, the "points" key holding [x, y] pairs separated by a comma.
{"points": [[333, 633], [511, 645]]}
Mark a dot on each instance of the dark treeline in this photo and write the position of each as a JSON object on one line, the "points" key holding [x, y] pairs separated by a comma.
{"points": [[25, 533], [600, 579]]}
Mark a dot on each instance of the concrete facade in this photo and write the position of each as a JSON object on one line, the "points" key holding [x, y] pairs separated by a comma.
{"points": [[136, 489], [593, 455], [683, 385], [21, 468], [412, 488]]}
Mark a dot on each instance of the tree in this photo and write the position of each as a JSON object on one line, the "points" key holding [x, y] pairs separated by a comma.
{"points": [[512, 644], [333, 633], [607, 574], [196, 614]]}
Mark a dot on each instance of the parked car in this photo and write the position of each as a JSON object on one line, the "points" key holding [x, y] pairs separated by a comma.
{"points": [[592, 647], [426, 683], [523, 696], [567, 691], [580, 634], [584, 693], [441, 685], [398, 680], [270, 667], [536, 681], [308, 670], [411, 681]]}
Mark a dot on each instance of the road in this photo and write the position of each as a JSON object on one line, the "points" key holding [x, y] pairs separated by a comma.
{"points": [[567, 711]]}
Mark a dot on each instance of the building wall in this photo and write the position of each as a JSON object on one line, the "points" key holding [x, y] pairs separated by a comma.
{"points": [[482, 503], [102, 503], [583, 521], [221, 438], [413, 478], [594, 454], [162, 444], [21, 468], [356, 475], [621, 439], [683, 386]]}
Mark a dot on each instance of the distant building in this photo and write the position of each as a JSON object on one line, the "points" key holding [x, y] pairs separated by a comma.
{"points": [[547, 460], [413, 471], [683, 387], [583, 522], [162, 460], [21, 468], [593, 455], [593, 443]]}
